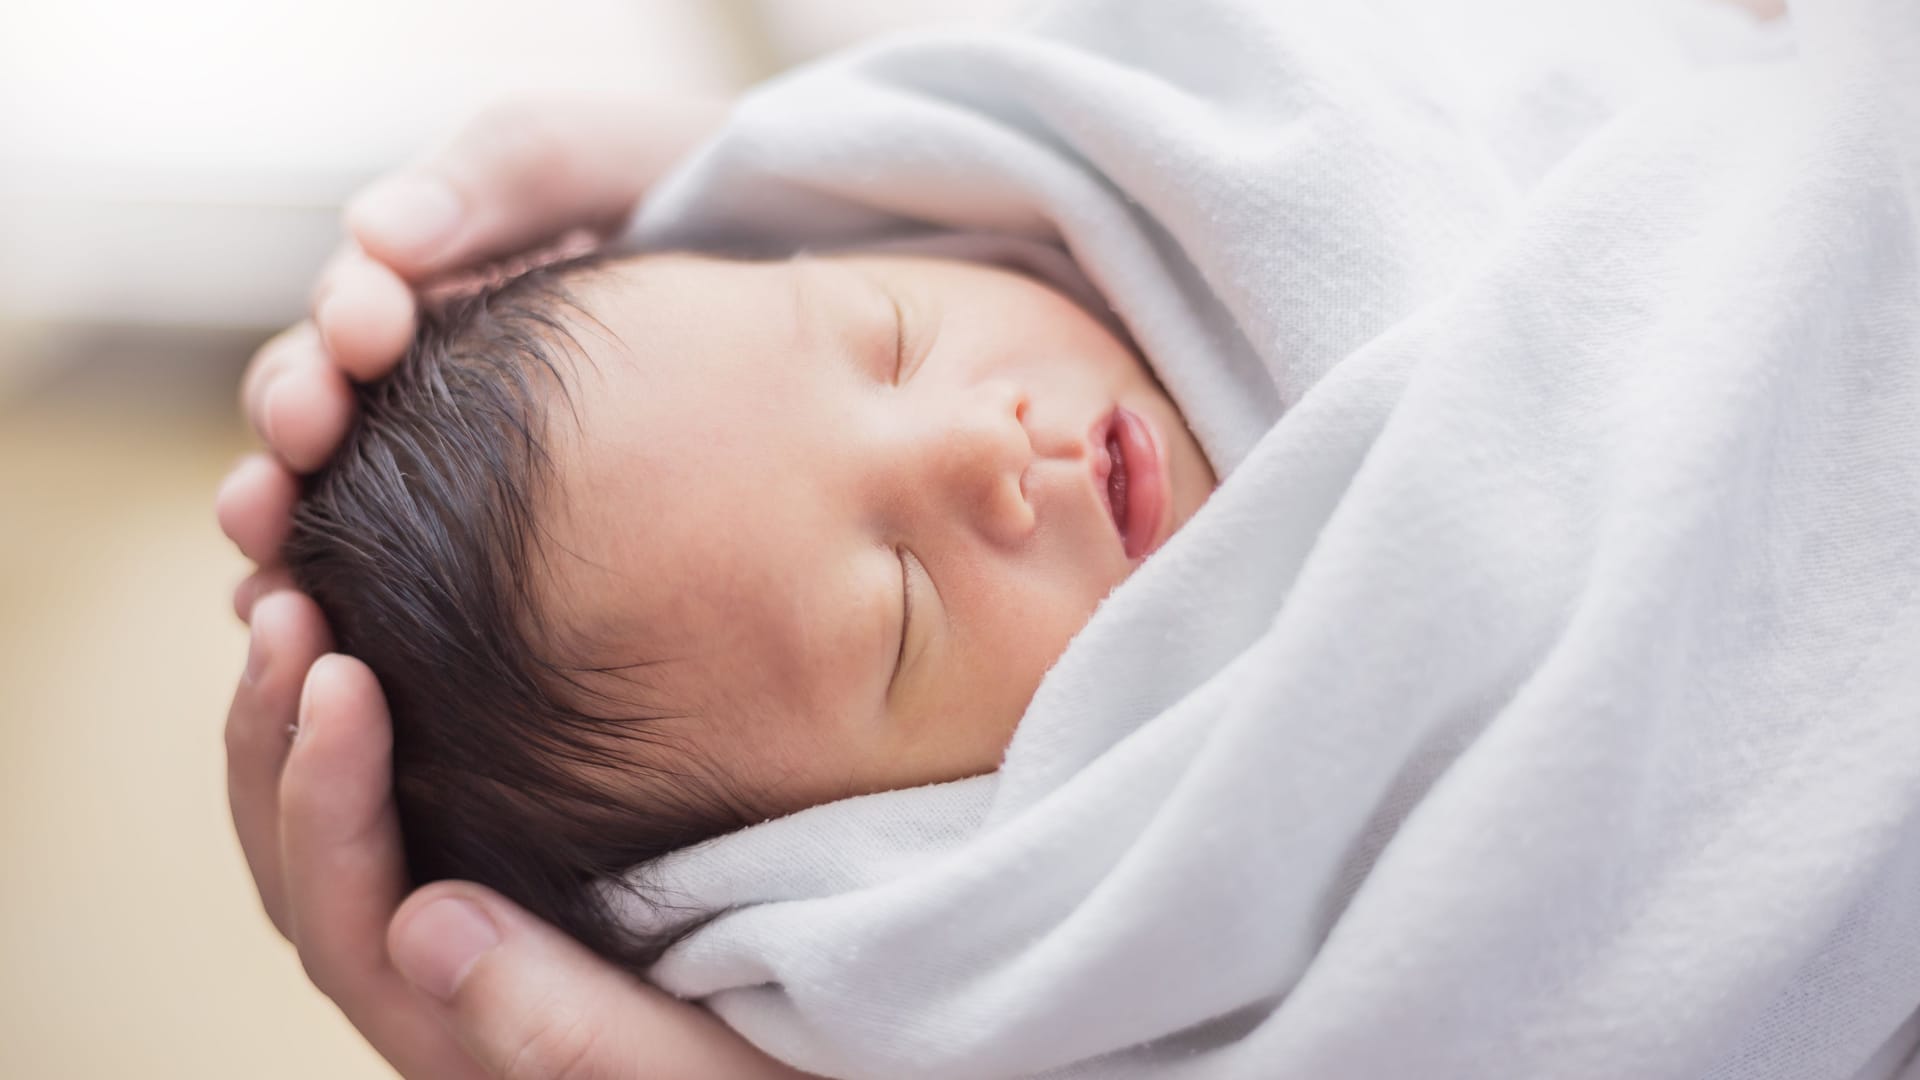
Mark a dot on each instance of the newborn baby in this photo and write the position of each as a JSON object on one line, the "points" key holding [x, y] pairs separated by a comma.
{"points": [[647, 549], [1534, 696]]}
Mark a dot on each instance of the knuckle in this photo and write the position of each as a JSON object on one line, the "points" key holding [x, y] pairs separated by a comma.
{"points": [[559, 1045]]}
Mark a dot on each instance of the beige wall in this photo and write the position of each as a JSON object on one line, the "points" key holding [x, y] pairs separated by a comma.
{"points": [[130, 942]]}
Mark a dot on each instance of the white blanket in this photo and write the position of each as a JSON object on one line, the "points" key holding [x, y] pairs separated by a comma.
{"points": [[1539, 695]]}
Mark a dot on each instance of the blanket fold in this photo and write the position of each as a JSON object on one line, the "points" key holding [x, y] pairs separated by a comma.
{"points": [[1539, 694]]}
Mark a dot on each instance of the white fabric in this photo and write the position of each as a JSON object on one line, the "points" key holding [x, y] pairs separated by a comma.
{"points": [[1539, 695]]}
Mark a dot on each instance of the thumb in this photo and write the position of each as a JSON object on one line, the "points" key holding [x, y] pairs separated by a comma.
{"points": [[529, 1002], [519, 176]]}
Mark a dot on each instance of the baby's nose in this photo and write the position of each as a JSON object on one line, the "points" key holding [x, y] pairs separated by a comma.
{"points": [[979, 460]]}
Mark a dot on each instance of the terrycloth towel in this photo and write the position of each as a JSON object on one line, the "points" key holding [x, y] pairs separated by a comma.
{"points": [[1539, 695]]}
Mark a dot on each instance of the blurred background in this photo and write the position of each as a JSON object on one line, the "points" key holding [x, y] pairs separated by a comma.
{"points": [[171, 175]]}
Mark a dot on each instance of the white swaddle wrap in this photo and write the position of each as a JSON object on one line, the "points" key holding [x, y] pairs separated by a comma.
{"points": [[1539, 694]]}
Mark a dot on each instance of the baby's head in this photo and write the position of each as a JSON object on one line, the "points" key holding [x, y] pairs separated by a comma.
{"points": [[649, 549]]}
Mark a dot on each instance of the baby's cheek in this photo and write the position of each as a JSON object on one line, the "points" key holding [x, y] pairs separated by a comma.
{"points": [[1027, 646]]}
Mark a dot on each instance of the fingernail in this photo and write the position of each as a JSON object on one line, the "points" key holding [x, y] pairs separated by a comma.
{"points": [[441, 943], [408, 212], [256, 656], [318, 305], [266, 407], [326, 320]]}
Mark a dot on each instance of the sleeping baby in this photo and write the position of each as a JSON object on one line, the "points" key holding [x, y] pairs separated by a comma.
{"points": [[860, 643], [646, 549]]}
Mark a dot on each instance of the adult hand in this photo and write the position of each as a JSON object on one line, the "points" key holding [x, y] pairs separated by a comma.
{"points": [[518, 176], [455, 981]]}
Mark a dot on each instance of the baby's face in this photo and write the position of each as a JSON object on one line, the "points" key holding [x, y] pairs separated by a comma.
{"points": [[843, 513]]}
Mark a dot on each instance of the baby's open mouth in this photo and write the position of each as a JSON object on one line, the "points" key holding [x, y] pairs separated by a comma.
{"points": [[1134, 480], [1117, 481]]}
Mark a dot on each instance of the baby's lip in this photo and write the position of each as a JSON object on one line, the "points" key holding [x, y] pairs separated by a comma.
{"points": [[1126, 443], [1100, 462]]}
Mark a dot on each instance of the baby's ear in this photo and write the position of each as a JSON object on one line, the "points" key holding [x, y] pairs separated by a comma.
{"points": [[461, 284]]}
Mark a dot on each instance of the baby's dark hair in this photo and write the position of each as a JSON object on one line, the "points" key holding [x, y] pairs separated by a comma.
{"points": [[420, 541]]}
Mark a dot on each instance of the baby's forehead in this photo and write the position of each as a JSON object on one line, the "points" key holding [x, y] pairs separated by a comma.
{"points": [[669, 539], [668, 323]]}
